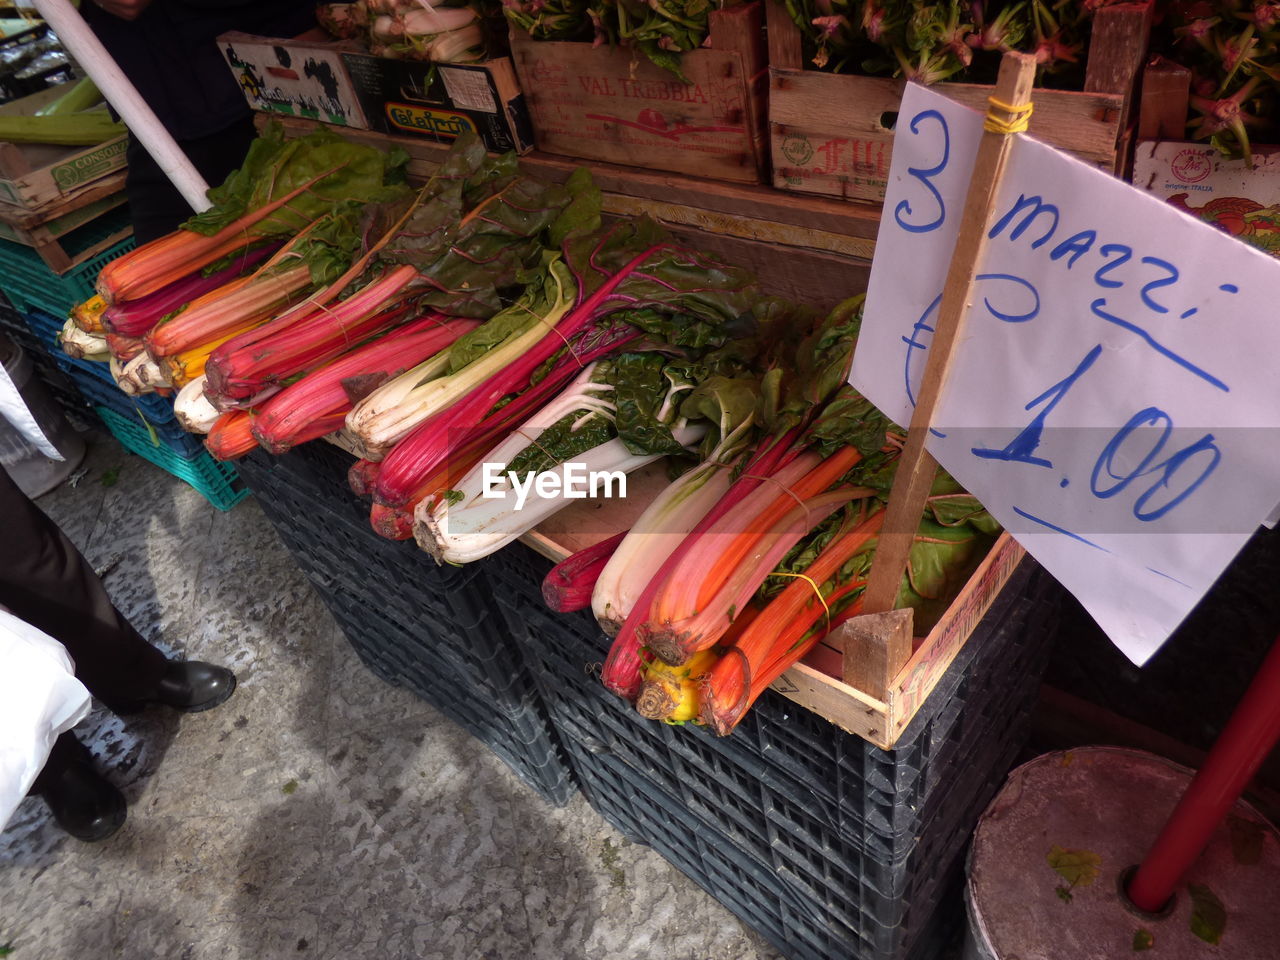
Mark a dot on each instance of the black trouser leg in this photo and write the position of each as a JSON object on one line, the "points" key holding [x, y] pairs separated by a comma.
{"points": [[155, 205], [66, 751], [45, 581]]}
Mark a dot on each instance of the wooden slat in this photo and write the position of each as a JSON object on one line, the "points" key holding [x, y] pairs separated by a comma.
{"points": [[1083, 123], [1166, 90], [876, 647], [767, 215], [1117, 48], [24, 218], [786, 47], [612, 104], [914, 475]]}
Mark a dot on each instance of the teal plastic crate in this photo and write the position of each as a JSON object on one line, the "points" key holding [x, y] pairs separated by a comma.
{"points": [[28, 282], [219, 483]]}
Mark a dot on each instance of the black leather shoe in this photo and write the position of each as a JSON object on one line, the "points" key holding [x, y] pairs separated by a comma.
{"points": [[193, 685], [83, 803], [187, 685]]}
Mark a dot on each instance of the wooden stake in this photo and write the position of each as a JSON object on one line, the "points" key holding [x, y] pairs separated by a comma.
{"points": [[876, 648], [916, 467]]}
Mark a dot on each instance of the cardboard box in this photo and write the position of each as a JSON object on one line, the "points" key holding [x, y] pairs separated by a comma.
{"points": [[299, 77], [1227, 193], [438, 101], [35, 174]]}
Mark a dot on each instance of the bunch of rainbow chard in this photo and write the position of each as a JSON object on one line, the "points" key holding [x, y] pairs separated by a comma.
{"points": [[281, 224], [739, 569], [426, 276], [596, 293]]}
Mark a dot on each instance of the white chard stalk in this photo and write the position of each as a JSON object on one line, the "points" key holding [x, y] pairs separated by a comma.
{"points": [[383, 418], [83, 346], [467, 525], [194, 412], [659, 530]]}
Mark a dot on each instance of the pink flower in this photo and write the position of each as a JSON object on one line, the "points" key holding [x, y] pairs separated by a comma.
{"points": [[828, 27]]}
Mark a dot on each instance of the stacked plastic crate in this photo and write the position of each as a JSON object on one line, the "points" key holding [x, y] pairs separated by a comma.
{"points": [[827, 845], [433, 630], [143, 425]]}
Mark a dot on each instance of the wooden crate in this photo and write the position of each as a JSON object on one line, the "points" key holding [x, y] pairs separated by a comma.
{"points": [[33, 175], [815, 684], [600, 103], [45, 227], [833, 134]]}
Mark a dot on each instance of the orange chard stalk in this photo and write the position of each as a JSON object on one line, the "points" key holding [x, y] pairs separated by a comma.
{"points": [[784, 632], [250, 300], [695, 602], [232, 436], [674, 694], [166, 259]]}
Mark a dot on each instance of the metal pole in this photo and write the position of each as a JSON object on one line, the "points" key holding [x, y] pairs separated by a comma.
{"points": [[1251, 733], [84, 45]]}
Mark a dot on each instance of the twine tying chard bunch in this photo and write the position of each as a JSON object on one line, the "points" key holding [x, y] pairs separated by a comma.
{"points": [[948, 40]]}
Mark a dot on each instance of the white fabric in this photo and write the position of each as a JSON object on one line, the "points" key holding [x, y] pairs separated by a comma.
{"points": [[13, 409], [40, 698]]}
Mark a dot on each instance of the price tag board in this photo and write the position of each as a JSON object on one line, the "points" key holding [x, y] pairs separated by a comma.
{"points": [[1115, 396]]}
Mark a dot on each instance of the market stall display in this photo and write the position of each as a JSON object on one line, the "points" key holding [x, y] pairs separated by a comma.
{"points": [[836, 80], [1206, 127], [663, 87]]}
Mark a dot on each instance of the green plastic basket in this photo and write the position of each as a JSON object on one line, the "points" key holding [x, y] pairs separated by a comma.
{"points": [[219, 483], [28, 282]]}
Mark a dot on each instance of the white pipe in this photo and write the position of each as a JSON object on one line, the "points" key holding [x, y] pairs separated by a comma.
{"points": [[87, 49]]}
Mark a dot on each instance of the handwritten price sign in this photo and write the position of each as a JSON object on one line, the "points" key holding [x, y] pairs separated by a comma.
{"points": [[1115, 397]]}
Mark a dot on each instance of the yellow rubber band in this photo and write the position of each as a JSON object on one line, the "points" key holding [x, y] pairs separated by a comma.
{"points": [[816, 591], [1016, 119]]}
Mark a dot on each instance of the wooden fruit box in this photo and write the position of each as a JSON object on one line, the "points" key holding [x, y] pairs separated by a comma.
{"points": [[45, 227], [33, 175], [604, 103], [833, 134], [906, 678]]}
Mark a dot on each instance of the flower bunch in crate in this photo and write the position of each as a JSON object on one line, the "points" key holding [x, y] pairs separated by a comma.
{"points": [[1232, 48], [946, 40]]}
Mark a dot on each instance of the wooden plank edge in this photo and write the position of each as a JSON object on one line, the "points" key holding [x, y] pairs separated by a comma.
{"points": [[934, 656], [762, 202]]}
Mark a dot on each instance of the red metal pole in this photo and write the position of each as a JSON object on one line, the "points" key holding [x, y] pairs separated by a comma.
{"points": [[1249, 736]]}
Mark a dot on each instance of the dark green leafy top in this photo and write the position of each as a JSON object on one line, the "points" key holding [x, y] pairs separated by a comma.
{"points": [[344, 173]]}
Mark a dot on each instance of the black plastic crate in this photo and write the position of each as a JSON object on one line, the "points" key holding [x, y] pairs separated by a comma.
{"points": [[869, 842], [433, 630]]}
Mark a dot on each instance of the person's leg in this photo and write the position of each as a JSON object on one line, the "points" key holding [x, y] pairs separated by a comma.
{"points": [[45, 581], [86, 805], [155, 205]]}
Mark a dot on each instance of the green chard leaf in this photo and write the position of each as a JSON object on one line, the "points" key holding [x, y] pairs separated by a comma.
{"points": [[274, 167]]}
